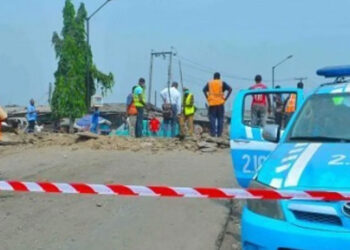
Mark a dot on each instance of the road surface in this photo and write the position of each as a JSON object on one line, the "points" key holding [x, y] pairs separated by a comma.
{"points": [[51, 221]]}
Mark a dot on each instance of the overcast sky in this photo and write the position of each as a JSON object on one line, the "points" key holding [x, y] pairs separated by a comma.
{"points": [[238, 38]]}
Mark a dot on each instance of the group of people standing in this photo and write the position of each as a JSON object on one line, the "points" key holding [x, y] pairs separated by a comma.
{"points": [[179, 109], [174, 111]]}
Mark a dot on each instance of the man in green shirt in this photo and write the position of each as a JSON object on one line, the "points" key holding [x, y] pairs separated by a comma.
{"points": [[140, 103]]}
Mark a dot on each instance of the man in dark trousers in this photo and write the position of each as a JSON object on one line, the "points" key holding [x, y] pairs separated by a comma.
{"points": [[214, 92], [31, 116], [139, 95], [261, 104]]}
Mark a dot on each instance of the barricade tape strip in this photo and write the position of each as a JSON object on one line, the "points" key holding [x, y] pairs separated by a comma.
{"points": [[166, 191]]}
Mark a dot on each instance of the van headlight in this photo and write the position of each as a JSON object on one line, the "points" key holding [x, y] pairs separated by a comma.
{"points": [[268, 208]]}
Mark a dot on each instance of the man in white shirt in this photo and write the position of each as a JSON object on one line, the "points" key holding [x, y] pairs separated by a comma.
{"points": [[171, 108]]}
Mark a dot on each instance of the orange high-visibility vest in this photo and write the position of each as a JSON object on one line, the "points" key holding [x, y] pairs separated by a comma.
{"points": [[216, 94], [132, 109], [291, 104]]}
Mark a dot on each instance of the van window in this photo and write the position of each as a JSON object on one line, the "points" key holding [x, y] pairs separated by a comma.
{"points": [[324, 118], [273, 108]]}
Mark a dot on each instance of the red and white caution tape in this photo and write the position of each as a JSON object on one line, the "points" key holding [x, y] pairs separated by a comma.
{"points": [[165, 191]]}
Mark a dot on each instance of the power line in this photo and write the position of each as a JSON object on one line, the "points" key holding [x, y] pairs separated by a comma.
{"points": [[210, 70], [196, 68], [195, 63], [200, 67], [195, 78]]}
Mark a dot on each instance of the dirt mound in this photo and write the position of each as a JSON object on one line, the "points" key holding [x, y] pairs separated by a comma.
{"points": [[203, 143]]}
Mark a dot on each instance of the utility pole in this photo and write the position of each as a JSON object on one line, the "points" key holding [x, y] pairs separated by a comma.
{"points": [[150, 79], [275, 66], [300, 79], [50, 93], [169, 74], [155, 98], [88, 94], [164, 54], [181, 77]]}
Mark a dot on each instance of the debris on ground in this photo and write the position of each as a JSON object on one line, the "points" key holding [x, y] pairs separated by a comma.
{"points": [[203, 143], [87, 135]]}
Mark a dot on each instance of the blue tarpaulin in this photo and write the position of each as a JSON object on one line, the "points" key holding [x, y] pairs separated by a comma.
{"points": [[86, 121]]}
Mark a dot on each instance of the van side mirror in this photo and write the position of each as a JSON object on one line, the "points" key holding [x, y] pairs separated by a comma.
{"points": [[271, 133]]}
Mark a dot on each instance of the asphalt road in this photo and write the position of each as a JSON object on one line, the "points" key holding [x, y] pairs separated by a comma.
{"points": [[44, 221]]}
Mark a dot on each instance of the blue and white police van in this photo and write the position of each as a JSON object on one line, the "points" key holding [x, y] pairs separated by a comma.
{"points": [[311, 152]]}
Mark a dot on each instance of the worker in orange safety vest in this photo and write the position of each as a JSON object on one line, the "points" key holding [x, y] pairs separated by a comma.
{"points": [[214, 92], [131, 112], [291, 104]]}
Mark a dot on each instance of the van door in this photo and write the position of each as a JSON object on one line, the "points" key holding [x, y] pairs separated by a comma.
{"points": [[248, 148]]}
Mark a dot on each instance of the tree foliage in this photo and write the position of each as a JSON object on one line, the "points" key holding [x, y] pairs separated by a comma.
{"points": [[75, 62]]}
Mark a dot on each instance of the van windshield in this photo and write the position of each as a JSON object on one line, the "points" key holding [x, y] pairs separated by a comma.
{"points": [[324, 118]]}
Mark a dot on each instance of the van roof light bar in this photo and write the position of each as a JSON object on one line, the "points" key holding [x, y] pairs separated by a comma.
{"points": [[338, 72]]}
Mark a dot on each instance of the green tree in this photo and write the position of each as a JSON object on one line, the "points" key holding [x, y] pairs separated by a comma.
{"points": [[72, 93]]}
